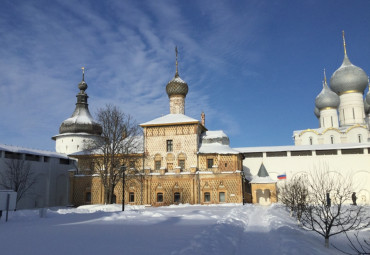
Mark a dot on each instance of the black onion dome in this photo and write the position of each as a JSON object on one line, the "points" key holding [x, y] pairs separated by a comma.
{"points": [[327, 98], [348, 77], [177, 86], [81, 120]]}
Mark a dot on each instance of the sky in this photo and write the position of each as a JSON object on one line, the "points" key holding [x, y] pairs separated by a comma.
{"points": [[253, 67]]}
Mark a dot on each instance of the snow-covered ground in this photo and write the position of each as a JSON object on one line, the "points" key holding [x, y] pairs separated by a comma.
{"points": [[182, 229]]}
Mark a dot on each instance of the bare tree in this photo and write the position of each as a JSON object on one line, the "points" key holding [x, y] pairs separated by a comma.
{"points": [[327, 213], [294, 195], [357, 245], [17, 176], [119, 145]]}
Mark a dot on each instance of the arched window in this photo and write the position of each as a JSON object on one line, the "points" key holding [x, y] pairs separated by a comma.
{"points": [[131, 197], [88, 197], [359, 139], [332, 139], [207, 197], [311, 141], [160, 197], [221, 196], [181, 162], [157, 162], [176, 197]]}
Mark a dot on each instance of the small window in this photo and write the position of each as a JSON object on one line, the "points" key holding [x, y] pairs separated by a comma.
{"points": [[210, 163], [225, 164], [46, 159], [182, 164], [332, 139], [92, 165], [169, 145], [160, 197], [64, 161], [157, 165], [207, 197], [32, 157], [88, 197], [13, 155], [176, 197], [131, 197], [114, 199], [221, 196], [359, 139], [311, 141], [132, 164]]}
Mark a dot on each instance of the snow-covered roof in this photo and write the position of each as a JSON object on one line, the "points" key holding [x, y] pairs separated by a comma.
{"points": [[303, 147], [136, 145], [262, 176], [267, 179], [17, 149], [215, 142], [342, 129], [170, 119], [217, 148]]}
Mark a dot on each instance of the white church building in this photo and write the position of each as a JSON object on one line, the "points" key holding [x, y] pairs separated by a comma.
{"points": [[341, 143]]}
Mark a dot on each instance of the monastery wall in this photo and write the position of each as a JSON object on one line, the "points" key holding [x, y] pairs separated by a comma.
{"points": [[355, 166]]}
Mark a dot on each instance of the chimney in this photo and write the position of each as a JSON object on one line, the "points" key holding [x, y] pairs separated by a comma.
{"points": [[203, 119]]}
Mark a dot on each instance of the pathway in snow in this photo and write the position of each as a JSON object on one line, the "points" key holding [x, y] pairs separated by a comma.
{"points": [[223, 237], [255, 229]]}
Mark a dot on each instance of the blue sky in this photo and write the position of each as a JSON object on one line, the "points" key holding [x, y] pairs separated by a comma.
{"points": [[253, 67]]}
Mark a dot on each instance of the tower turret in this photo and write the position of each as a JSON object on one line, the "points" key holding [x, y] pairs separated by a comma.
{"points": [[80, 129]]}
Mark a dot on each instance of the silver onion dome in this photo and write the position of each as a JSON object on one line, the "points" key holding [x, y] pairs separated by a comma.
{"points": [[327, 98], [367, 102], [366, 106], [348, 77], [317, 112], [81, 120]]}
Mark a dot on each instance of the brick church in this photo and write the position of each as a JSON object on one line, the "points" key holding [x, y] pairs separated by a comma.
{"points": [[180, 161]]}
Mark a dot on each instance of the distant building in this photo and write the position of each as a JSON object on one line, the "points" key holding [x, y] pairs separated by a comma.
{"points": [[49, 171], [344, 97], [182, 162], [340, 145]]}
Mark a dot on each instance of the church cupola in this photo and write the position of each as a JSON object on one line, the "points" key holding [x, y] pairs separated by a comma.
{"points": [[327, 103], [76, 132], [349, 82], [177, 89], [81, 120], [327, 98], [348, 78]]}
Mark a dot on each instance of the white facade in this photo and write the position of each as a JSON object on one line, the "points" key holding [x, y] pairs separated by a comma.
{"points": [[329, 118], [69, 143], [49, 170], [344, 160], [351, 109]]}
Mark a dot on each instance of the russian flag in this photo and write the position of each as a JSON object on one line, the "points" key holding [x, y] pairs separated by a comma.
{"points": [[282, 177]]}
